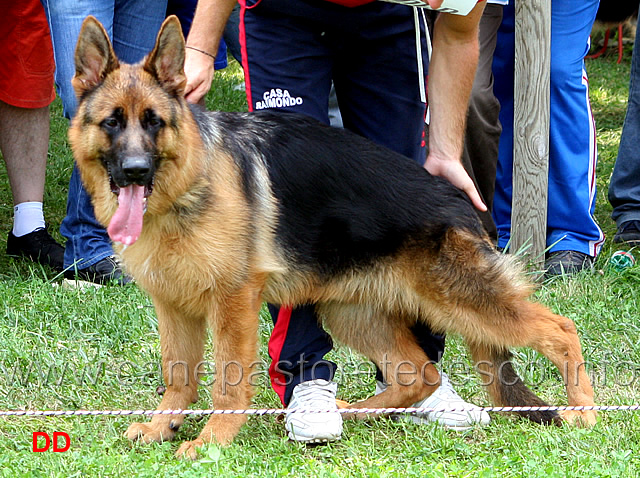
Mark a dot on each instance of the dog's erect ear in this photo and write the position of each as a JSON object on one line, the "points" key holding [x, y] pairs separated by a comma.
{"points": [[94, 57], [166, 61]]}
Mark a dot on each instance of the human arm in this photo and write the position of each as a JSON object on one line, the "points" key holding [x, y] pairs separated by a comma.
{"points": [[206, 31], [451, 74]]}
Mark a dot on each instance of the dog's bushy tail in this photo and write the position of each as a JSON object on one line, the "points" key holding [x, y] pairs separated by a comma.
{"points": [[505, 387], [471, 290]]}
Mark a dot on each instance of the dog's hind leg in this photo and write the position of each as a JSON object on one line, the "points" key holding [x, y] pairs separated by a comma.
{"points": [[504, 385], [527, 324], [235, 338], [473, 291], [556, 338], [182, 343], [387, 341]]}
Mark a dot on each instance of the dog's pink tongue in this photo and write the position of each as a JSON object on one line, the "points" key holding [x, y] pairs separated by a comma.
{"points": [[126, 223]]}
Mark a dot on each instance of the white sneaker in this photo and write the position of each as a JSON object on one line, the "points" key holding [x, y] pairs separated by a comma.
{"points": [[316, 394], [465, 416]]}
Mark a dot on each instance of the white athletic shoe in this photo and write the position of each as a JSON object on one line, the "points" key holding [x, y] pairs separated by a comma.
{"points": [[316, 394], [465, 416]]}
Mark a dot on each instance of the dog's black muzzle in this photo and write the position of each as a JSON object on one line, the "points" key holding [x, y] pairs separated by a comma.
{"points": [[134, 169]]}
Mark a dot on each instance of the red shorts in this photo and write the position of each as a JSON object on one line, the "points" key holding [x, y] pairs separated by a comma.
{"points": [[26, 55]]}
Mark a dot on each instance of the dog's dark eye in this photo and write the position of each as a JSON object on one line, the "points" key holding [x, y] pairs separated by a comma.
{"points": [[155, 122], [114, 122], [110, 124], [152, 121]]}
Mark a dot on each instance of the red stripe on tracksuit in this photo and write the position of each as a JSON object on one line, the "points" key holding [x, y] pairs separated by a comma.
{"points": [[243, 49], [276, 343]]}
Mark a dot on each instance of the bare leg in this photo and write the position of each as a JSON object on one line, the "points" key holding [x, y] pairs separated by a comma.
{"points": [[24, 142]]}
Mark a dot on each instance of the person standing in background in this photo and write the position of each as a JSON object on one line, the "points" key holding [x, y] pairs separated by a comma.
{"points": [[374, 52], [26, 91], [573, 236], [624, 188]]}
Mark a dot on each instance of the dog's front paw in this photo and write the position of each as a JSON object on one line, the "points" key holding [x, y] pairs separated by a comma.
{"points": [[579, 418], [150, 432], [189, 449]]}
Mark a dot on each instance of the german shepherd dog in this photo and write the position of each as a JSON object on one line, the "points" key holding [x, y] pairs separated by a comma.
{"points": [[213, 213]]}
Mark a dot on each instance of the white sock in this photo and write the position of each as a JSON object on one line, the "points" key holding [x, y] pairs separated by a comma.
{"points": [[27, 217]]}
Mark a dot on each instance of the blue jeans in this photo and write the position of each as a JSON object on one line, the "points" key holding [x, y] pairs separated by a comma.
{"points": [[132, 25], [624, 189]]}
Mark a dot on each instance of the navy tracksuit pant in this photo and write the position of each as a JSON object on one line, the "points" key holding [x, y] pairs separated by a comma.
{"points": [[292, 52]]}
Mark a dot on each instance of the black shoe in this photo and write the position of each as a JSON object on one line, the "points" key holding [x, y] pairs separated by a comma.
{"points": [[629, 233], [567, 262], [106, 271], [38, 246]]}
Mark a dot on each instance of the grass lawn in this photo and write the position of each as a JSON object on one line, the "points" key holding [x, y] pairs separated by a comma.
{"points": [[98, 349]]}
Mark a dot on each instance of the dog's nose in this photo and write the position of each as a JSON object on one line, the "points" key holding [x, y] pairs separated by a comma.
{"points": [[136, 168]]}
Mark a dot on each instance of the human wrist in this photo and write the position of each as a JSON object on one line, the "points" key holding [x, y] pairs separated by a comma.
{"points": [[200, 50]]}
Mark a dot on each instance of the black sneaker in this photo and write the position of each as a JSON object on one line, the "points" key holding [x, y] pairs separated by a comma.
{"points": [[567, 262], [38, 246], [629, 233], [106, 271]]}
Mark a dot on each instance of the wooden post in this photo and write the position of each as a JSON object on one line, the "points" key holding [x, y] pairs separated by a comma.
{"points": [[531, 128]]}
